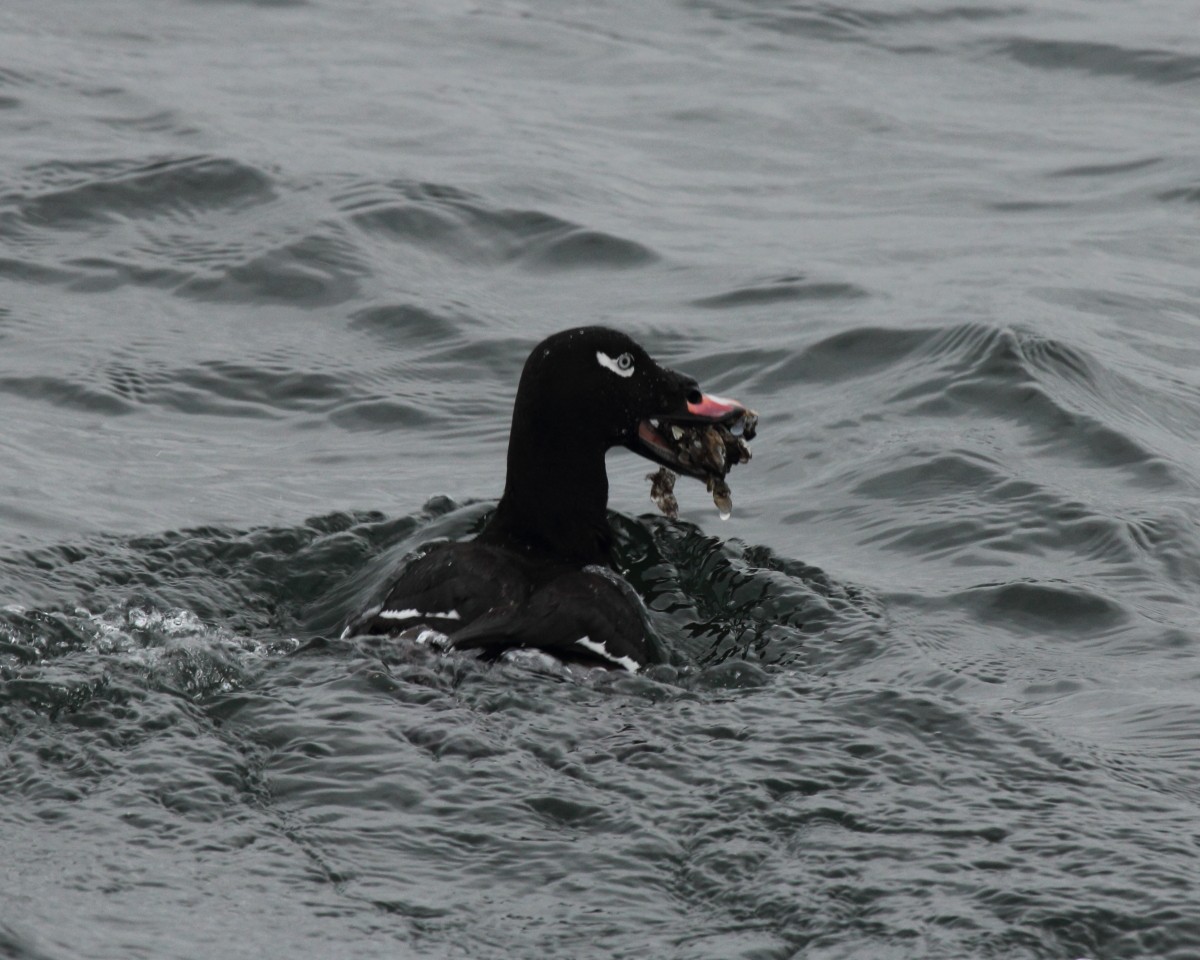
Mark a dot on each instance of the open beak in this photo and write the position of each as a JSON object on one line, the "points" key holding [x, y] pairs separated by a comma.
{"points": [[716, 409], [703, 442]]}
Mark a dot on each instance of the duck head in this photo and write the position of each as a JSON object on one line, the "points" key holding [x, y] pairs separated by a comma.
{"points": [[601, 386], [582, 392]]}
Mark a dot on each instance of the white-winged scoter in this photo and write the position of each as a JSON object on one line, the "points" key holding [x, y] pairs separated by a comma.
{"points": [[538, 576]]}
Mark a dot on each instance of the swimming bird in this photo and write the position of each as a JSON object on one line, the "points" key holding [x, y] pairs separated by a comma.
{"points": [[539, 575]]}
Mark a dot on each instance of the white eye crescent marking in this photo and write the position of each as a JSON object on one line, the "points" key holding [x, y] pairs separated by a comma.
{"points": [[622, 366]]}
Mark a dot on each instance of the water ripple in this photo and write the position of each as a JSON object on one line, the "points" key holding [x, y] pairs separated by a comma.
{"points": [[466, 227], [838, 22], [1159, 67], [169, 187], [781, 290], [1065, 609]]}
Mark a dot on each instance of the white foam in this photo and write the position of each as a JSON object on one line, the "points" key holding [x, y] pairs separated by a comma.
{"points": [[532, 659], [434, 638]]}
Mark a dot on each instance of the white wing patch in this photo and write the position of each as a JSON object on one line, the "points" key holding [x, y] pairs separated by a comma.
{"points": [[414, 612], [602, 651], [610, 364]]}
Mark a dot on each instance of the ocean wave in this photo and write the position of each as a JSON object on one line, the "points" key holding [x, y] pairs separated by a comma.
{"points": [[1147, 65], [466, 227], [781, 290], [74, 193], [842, 22]]}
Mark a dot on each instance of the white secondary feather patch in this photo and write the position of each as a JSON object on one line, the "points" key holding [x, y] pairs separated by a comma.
{"points": [[602, 651], [414, 612], [610, 364]]}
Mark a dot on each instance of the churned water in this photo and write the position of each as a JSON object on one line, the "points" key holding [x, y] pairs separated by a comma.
{"points": [[268, 273]]}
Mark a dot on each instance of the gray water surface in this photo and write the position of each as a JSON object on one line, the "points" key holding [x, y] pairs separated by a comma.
{"points": [[268, 274]]}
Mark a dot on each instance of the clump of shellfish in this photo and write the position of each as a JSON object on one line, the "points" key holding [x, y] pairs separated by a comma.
{"points": [[709, 449]]}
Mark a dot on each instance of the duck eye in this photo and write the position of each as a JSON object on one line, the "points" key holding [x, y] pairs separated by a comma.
{"points": [[622, 366]]}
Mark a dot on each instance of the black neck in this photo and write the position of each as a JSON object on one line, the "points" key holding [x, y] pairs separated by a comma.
{"points": [[555, 502]]}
